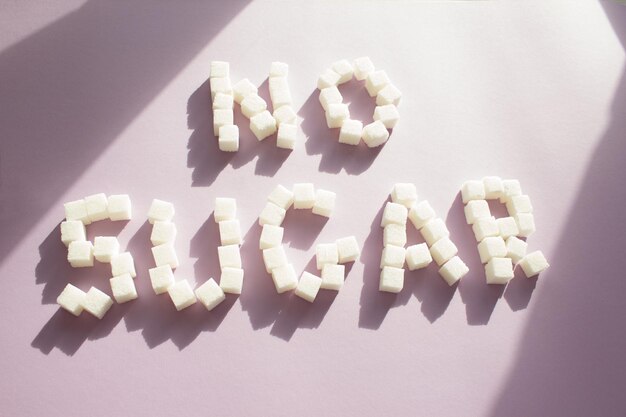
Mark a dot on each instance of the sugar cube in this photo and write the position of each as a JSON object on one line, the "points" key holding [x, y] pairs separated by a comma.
{"points": [[210, 294], [287, 136], [225, 209], [243, 89], [434, 230], [119, 207], [281, 97], [443, 250], [253, 104], [421, 213], [229, 256], [534, 263], [123, 288], [391, 279], [325, 254], [161, 278], [389, 94], [281, 196], [228, 140], [105, 247], [285, 114], [160, 211], [485, 227], [165, 254], [328, 78], [499, 271], [333, 277], [418, 256], [394, 234], [324, 203], [230, 232], [303, 196], [507, 226], [271, 236], [491, 247], [348, 249], [162, 232], [493, 187], [278, 83], [96, 205], [519, 204], [222, 117], [308, 286], [80, 253], [375, 134], [525, 224], [219, 69], [363, 66], [453, 270], [274, 258], [405, 194], [336, 114], [220, 85], [351, 132], [387, 114], [263, 125], [72, 299], [515, 249], [223, 101], [77, 210], [72, 230], [279, 69], [284, 278], [123, 264], [330, 95], [394, 213], [472, 190], [272, 214], [344, 69], [510, 188], [376, 81], [96, 302], [476, 209], [231, 280], [393, 256], [182, 294]]}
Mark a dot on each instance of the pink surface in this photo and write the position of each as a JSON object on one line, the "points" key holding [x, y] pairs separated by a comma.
{"points": [[105, 96]]}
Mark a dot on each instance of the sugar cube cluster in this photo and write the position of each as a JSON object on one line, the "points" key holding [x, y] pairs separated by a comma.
{"points": [[284, 114], [222, 97]]}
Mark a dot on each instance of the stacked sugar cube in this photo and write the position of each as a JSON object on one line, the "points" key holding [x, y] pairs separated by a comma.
{"points": [[262, 123], [282, 104], [499, 243], [377, 84], [222, 98]]}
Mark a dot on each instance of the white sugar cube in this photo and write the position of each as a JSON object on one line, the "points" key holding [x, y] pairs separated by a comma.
{"points": [[485, 227], [336, 114], [350, 132], [119, 207], [123, 264], [387, 114], [123, 288], [393, 256], [210, 294], [472, 190], [281, 196], [225, 209], [220, 85], [223, 101], [96, 302], [491, 247], [272, 214], [330, 95], [333, 277], [499, 271], [281, 97], [418, 256], [219, 69], [228, 140], [326, 254], [160, 211], [324, 203], [161, 278], [376, 81], [230, 232], [287, 136], [515, 249], [510, 188], [476, 209], [72, 230], [303, 196], [507, 226], [271, 236], [285, 114], [96, 205], [405, 194], [344, 69], [443, 250], [231, 280], [363, 66], [308, 286], [375, 134], [77, 210], [222, 117], [165, 254], [162, 232], [391, 279], [389, 94], [229, 256], [525, 224], [519, 204], [394, 213], [253, 104], [279, 69], [243, 89], [105, 247], [453, 270], [284, 278], [328, 78], [347, 249], [274, 258], [278, 83], [493, 187], [263, 125], [394, 234], [534, 263], [421, 213], [182, 294], [434, 230], [72, 299], [80, 253]]}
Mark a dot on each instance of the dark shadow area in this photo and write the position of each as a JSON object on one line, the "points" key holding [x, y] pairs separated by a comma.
{"points": [[574, 342], [519, 290]]}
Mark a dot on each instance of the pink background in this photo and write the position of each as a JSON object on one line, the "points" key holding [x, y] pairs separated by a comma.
{"points": [[111, 96]]}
